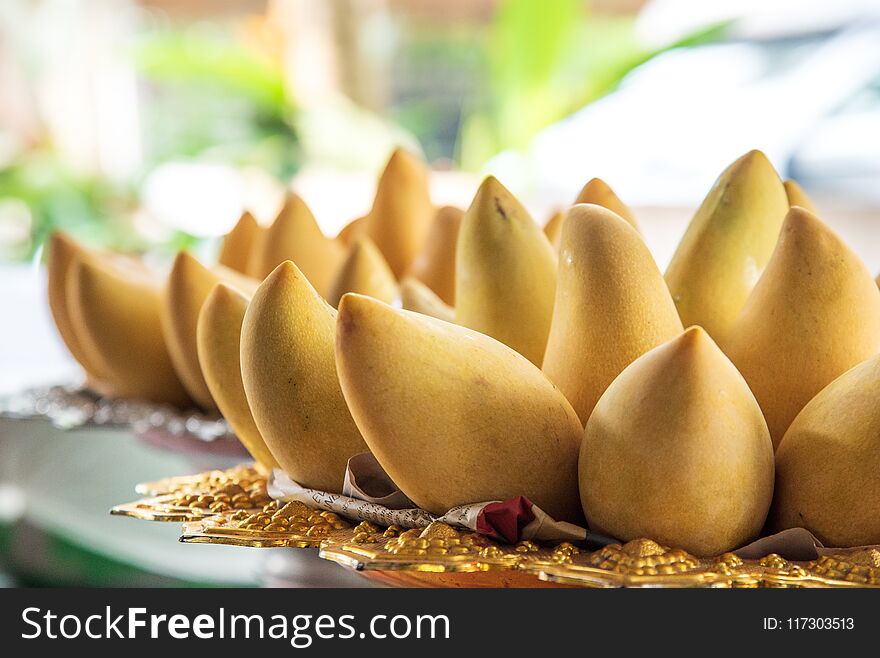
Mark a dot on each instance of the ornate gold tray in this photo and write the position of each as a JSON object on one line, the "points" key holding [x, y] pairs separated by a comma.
{"points": [[292, 525], [187, 498], [644, 563], [436, 556], [243, 475], [232, 507], [443, 556]]}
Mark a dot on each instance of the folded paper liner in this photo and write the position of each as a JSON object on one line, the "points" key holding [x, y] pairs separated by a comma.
{"points": [[368, 494]]}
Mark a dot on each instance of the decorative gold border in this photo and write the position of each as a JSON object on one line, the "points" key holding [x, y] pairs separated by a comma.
{"points": [[644, 563], [158, 508], [439, 548]]}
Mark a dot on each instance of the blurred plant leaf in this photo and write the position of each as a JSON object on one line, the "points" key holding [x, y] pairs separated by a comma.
{"points": [[91, 208], [546, 60], [191, 57], [212, 96], [527, 44], [206, 96]]}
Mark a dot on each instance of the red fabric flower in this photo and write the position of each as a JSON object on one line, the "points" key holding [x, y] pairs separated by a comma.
{"points": [[505, 520]]}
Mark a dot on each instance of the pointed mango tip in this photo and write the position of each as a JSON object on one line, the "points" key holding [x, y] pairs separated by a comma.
{"points": [[222, 295], [797, 196], [695, 333], [185, 262], [246, 220], [360, 245], [803, 232], [365, 249], [403, 170], [692, 346], [398, 153], [187, 269], [287, 279], [750, 170], [493, 201], [293, 204], [82, 268], [595, 191], [61, 238], [354, 303], [490, 185], [591, 211], [593, 218], [754, 156], [92, 271], [403, 158], [754, 160], [598, 192], [553, 227], [353, 310], [693, 339], [799, 219], [351, 302], [216, 304], [60, 246], [492, 190], [284, 272]]}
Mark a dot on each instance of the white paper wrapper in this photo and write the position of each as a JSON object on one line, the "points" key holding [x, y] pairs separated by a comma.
{"points": [[370, 495]]}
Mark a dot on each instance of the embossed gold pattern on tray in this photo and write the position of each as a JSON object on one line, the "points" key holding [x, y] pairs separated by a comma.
{"points": [[291, 524], [193, 497], [243, 475], [644, 563], [437, 548], [232, 507]]}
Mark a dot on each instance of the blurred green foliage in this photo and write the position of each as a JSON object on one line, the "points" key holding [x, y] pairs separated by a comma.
{"points": [[57, 197], [545, 60], [210, 96], [204, 97], [465, 92], [443, 72], [95, 209]]}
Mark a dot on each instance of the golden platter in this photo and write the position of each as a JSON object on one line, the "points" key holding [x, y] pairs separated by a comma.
{"points": [[436, 556], [187, 498], [645, 563], [244, 475], [292, 525], [232, 507]]}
